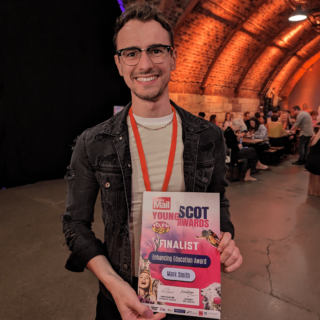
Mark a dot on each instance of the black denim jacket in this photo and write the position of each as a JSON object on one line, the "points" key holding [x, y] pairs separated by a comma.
{"points": [[102, 160]]}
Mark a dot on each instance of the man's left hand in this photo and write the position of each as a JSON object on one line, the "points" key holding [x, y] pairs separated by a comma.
{"points": [[230, 259]]}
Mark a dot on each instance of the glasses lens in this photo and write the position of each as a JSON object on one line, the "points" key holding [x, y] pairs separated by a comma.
{"points": [[158, 54], [131, 57]]}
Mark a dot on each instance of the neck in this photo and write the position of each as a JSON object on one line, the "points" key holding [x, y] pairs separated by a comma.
{"points": [[152, 109], [143, 292]]}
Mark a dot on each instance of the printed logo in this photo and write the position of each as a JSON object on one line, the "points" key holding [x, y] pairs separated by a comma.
{"points": [[162, 309], [192, 312], [200, 313], [154, 308], [205, 313], [163, 203], [160, 227], [179, 311], [170, 310]]}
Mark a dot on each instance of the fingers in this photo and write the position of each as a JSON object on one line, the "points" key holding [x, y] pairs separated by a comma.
{"points": [[234, 266], [230, 258], [157, 316], [142, 310], [224, 239]]}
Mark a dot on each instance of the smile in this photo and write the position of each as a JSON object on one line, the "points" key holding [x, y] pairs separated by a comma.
{"points": [[149, 79]]}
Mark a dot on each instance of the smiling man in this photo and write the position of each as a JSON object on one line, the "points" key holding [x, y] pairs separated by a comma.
{"points": [[106, 157]]}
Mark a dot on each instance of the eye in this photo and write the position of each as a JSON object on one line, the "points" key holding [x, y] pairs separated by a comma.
{"points": [[130, 54], [157, 51]]}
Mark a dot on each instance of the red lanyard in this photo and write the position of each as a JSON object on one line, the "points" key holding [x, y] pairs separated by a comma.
{"points": [[143, 158]]}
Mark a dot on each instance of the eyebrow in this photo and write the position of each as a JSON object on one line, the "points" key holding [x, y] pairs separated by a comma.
{"points": [[153, 45]]}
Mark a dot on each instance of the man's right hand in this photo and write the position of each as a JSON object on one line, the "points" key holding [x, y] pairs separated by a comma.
{"points": [[129, 305]]}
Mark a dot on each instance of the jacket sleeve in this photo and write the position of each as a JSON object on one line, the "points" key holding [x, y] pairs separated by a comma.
{"points": [[82, 191], [219, 183]]}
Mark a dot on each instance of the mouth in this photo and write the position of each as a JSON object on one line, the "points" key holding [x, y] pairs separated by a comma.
{"points": [[147, 80]]}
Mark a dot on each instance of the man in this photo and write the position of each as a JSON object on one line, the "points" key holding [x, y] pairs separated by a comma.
{"points": [[304, 123], [106, 158], [201, 115], [247, 116]]}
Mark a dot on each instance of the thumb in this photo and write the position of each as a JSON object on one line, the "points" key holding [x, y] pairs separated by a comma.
{"points": [[143, 310]]}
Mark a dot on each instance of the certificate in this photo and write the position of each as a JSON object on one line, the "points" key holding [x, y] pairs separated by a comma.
{"points": [[179, 270]]}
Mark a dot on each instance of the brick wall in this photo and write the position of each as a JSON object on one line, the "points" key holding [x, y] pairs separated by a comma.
{"points": [[217, 105]]}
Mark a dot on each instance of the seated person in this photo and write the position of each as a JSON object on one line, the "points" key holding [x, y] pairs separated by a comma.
{"points": [[227, 121], [238, 152], [275, 128], [247, 116], [213, 119], [258, 131], [201, 115]]}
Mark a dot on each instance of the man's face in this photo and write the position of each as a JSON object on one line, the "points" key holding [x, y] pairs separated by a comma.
{"points": [[146, 80]]}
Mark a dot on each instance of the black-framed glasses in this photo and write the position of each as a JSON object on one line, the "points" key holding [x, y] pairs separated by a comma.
{"points": [[156, 53]]}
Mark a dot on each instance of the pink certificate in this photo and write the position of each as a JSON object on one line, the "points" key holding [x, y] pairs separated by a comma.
{"points": [[179, 271]]}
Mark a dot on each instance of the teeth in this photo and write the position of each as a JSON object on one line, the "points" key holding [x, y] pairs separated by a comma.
{"points": [[147, 79]]}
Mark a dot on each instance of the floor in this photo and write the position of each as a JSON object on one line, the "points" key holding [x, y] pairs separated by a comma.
{"points": [[277, 231]]}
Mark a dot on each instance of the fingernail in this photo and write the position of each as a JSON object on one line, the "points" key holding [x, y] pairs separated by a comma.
{"points": [[149, 314], [219, 249]]}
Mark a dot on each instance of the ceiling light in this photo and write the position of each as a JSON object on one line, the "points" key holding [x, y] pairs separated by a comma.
{"points": [[298, 15]]}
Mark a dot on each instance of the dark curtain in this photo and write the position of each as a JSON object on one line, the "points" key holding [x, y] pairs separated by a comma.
{"points": [[57, 79]]}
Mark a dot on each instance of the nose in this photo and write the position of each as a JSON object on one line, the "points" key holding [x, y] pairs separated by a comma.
{"points": [[145, 62]]}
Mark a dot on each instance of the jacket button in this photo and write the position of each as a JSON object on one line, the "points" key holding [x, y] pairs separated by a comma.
{"points": [[107, 185], [120, 138], [129, 165], [125, 266], [205, 180]]}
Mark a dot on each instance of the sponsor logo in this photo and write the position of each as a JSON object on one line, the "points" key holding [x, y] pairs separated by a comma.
{"points": [[200, 313], [154, 308], [171, 310], [163, 203], [179, 311], [160, 227], [192, 312], [162, 309], [205, 313]]}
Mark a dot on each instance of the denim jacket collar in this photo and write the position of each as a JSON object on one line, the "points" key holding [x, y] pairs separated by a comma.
{"points": [[118, 123]]}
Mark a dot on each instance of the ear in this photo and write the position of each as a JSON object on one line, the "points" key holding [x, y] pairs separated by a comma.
{"points": [[118, 64], [174, 59]]}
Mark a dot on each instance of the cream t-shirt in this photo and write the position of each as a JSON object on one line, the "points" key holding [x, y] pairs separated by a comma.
{"points": [[156, 145]]}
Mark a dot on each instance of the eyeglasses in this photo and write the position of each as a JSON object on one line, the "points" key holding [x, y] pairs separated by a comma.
{"points": [[156, 53]]}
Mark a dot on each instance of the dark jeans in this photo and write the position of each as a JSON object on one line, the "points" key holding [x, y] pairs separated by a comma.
{"points": [[251, 156], [303, 148], [107, 310]]}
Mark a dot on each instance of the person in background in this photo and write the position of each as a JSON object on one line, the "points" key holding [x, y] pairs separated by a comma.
{"points": [[306, 109], [263, 121], [314, 116], [213, 119], [313, 166], [238, 152], [258, 131], [318, 118], [201, 115], [258, 115], [247, 116], [227, 121], [290, 139], [275, 128], [279, 114], [304, 123]]}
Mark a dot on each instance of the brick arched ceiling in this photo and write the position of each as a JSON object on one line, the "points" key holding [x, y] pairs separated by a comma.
{"points": [[240, 47]]}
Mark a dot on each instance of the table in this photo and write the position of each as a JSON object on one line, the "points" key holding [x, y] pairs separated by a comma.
{"points": [[253, 141]]}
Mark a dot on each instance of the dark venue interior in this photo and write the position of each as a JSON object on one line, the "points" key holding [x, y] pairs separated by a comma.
{"points": [[58, 78]]}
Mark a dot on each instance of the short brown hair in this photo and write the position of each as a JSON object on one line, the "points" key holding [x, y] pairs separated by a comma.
{"points": [[143, 12]]}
